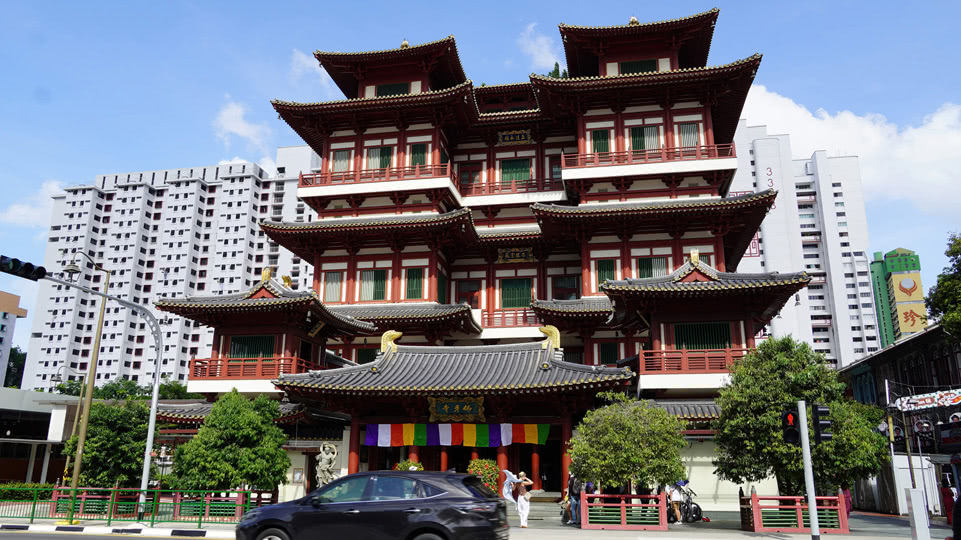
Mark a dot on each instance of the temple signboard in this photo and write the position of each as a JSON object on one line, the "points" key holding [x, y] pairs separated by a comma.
{"points": [[456, 409], [517, 136], [515, 255]]}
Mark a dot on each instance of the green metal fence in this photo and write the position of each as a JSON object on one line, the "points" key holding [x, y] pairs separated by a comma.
{"points": [[109, 505]]}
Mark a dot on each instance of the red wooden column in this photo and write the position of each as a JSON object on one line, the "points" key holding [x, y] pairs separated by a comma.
{"points": [[566, 433], [536, 467], [432, 272], [396, 274], [353, 458], [443, 458], [501, 464], [318, 273], [473, 454], [351, 285], [586, 285], [412, 454], [719, 262]]}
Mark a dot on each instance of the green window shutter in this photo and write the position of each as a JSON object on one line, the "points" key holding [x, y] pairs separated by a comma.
{"points": [[415, 283], [332, 283], [444, 158], [714, 335], [637, 138], [515, 170], [365, 356], [373, 285], [515, 293], [645, 138], [386, 153], [609, 353], [441, 288], [418, 154], [380, 284], [638, 66], [650, 267], [251, 346], [601, 140], [392, 89], [606, 270]]}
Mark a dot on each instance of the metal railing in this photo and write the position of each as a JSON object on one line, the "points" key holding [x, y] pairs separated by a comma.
{"points": [[636, 157], [329, 178], [248, 368], [109, 505], [790, 514], [509, 318], [516, 186], [624, 512], [690, 360]]}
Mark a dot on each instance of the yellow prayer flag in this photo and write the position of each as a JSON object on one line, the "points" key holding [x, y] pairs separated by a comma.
{"points": [[409, 434], [470, 434], [530, 433]]}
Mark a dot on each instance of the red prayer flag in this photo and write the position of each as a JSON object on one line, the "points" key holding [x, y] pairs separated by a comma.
{"points": [[397, 434], [517, 433], [456, 434]]}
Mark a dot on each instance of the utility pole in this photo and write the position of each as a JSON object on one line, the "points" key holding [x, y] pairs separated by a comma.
{"points": [[808, 470]]}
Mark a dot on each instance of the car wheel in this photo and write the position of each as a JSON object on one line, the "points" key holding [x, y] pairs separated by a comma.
{"points": [[427, 536], [272, 534]]}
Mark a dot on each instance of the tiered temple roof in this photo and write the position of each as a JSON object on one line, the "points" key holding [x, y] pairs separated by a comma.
{"points": [[418, 317]]}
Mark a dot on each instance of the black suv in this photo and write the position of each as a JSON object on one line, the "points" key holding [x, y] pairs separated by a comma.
{"points": [[385, 504]]}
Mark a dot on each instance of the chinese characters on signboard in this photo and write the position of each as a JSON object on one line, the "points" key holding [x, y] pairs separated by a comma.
{"points": [[515, 255], [456, 409], [519, 136]]}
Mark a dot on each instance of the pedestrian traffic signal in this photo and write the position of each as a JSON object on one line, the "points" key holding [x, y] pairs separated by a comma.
{"points": [[789, 427], [22, 269], [822, 424]]}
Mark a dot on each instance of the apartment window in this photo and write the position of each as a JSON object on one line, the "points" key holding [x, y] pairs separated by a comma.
{"points": [[468, 292], [638, 66], [418, 154], [379, 157], [341, 161], [690, 134], [600, 140], [392, 89], [808, 216], [565, 287], [608, 353], [515, 170], [650, 267], [839, 204], [332, 284], [715, 335], [373, 285], [515, 293], [415, 283], [606, 269], [645, 138]]}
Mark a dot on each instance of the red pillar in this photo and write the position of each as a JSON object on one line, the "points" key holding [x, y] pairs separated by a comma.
{"points": [[566, 432], [412, 454], [501, 464], [353, 458], [443, 458], [536, 467], [473, 454]]}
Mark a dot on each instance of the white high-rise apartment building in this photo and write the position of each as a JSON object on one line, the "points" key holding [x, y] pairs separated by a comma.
{"points": [[818, 223], [174, 232], [10, 311]]}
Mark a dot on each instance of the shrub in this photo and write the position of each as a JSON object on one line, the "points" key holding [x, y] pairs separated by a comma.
{"points": [[22, 491], [487, 470], [407, 464]]}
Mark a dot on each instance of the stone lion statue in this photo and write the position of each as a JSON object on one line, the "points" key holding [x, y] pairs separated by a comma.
{"points": [[327, 468]]}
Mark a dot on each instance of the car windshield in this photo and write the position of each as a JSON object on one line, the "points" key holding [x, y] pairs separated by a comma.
{"points": [[478, 488]]}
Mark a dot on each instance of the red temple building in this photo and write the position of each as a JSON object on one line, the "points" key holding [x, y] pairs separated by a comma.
{"points": [[459, 221]]}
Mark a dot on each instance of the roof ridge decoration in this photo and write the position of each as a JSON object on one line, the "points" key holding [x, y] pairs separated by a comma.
{"points": [[407, 49], [666, 204], [633, 23], [651, 74], [553, 336], [397, 97], [388, 341]]}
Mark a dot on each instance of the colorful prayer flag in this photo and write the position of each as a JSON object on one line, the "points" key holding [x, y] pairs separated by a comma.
{"points": [[408, 434], [420, 435]]}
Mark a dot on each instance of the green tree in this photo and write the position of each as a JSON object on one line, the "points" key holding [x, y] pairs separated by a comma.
{"points": [[557, 72], [944, 299], [121, 389], [763, 385], [69, 387], [113, 451], [628, 440], [14, 374], [176, 390], [238, 445]]}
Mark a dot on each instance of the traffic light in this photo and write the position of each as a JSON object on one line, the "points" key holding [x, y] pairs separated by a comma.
{"points": [[789, 427], [822, 424], [21, 269]]}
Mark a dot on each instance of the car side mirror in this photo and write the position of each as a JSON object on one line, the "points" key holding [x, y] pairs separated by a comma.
{"points": [[316, 501]]}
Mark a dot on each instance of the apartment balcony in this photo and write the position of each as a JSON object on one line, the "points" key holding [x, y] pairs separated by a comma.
{"points": [[686, 369], [810, 238], [524, 191], [689, 159], [245, 374]]}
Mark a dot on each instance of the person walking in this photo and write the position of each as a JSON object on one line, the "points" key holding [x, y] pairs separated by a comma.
{"points": [[523, 497], [574, 488]]}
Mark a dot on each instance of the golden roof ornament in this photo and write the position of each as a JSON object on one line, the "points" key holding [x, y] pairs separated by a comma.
{"points": [[265, 275], [553, 337], [287, 281], [404, 44], [695, 257], [388, 340], [633, 21]]}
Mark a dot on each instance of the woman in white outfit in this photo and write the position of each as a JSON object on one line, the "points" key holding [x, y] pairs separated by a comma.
{"points": [[523, 497]]}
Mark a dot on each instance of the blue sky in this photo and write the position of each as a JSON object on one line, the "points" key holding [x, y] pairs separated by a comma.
{"points": [[97, 87]]}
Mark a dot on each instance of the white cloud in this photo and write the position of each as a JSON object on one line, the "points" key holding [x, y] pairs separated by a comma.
{"points": [[541, 48], [236, 159], [34, 210], [304, 66], [920, 164], [268, 164], [231, 121]]}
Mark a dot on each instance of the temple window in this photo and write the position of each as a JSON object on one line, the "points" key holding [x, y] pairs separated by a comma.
{"points": [[690, 134], [565, 287], [441, 288], [341, 161], [469, 172], [516, 293], [468, 292], [332, 286], [515, 170], [418, 154], [392, 89], [638, 66], [251, 347], [605, 269], [373, 285], [600, 140], [380, 157], [651, 267], [708, 335], [608, 353], [414, 279], [645, 138], [554, 164]]}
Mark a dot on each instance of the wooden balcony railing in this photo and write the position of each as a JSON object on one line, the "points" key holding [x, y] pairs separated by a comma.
{"points": [[509, 318], [690, 360], [635, 157], [247, 368], [328, 178], [522, 186]]}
